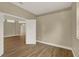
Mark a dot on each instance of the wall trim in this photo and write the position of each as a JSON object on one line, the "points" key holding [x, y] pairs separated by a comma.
{"points": [[74, 53], [52, 12], [55, 45], [58, 46], [3, 14], [11, 35]]}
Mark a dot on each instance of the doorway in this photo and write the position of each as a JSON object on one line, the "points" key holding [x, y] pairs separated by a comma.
{"points": [[14, 33]]}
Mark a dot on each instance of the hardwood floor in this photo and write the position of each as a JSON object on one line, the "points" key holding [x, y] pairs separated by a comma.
{"points": [[15, 47]]}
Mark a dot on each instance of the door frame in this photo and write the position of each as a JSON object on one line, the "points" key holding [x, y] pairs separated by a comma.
{"points": [[24, 19], [1, 34]]}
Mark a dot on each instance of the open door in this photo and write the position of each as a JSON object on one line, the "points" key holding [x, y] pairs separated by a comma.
{"points": [[31, 32], [1, 35]]}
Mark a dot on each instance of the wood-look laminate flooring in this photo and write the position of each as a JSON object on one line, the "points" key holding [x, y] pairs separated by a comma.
{"points": [[16, 47]]}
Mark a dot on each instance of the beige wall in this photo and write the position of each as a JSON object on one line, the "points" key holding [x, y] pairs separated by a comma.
{"points": [[12, 9], [55, 28], [74, 27], [11, 29]]}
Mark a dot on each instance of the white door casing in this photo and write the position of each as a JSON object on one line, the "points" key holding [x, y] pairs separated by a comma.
{"points": [[1, 35], [31, 32]]}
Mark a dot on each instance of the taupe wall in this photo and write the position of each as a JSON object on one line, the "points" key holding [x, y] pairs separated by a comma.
{"points": [[55, 28], [7, 7], [74, 28], [12, 9], [11, 29]]}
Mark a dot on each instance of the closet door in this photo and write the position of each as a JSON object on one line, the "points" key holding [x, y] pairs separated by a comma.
{"points": [[1, 35], [31, 32]]}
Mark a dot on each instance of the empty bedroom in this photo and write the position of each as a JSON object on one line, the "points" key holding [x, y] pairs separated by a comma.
{"points": [[38, 29]]}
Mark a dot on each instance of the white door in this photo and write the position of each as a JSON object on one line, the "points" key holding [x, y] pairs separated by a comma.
{"points": [[31, 32], [1, 35]]}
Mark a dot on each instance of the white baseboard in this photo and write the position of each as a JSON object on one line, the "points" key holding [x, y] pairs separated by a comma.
{"points": [[74, 54], [11, 35], [55, 45]]}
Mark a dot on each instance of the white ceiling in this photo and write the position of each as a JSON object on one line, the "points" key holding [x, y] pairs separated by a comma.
{"points": [[39, 8]]}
